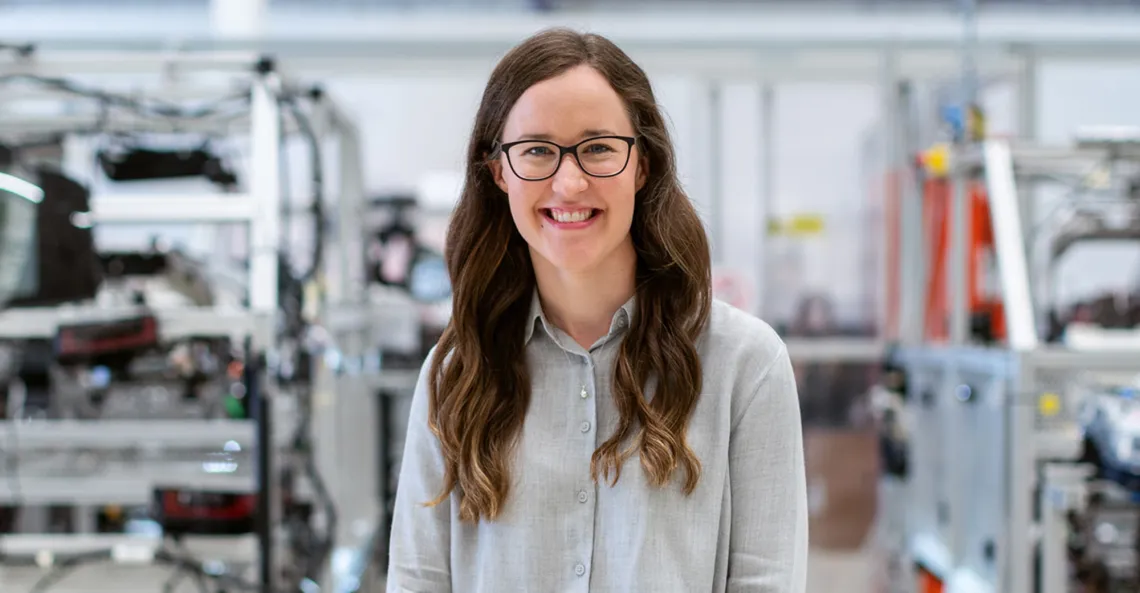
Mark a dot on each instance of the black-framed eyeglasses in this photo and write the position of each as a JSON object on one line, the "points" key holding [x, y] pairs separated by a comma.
{"points": [[600, 156]]}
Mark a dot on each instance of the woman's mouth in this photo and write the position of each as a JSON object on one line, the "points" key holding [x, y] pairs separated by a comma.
{"points": [[571, 219]]}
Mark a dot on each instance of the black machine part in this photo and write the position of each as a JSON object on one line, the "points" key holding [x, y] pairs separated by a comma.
{"points": [[68, 268], [1105, 545], [137, 163]]}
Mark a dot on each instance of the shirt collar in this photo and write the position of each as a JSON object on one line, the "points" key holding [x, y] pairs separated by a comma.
{"points": [[621, 320]]}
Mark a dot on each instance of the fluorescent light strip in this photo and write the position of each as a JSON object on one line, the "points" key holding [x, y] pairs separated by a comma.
{"points": [[22, 188]]}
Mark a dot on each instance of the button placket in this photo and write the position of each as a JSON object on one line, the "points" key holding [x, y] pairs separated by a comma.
{"points": [[585, 395], [587, 501]]}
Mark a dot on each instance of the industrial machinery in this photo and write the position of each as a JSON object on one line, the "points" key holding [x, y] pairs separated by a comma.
{"points": [[20, 201], [403, 308], [165, 408], [1009, 441]]}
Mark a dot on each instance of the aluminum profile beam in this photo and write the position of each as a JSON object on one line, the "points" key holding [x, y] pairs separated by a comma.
{"points": [[182, 209], [33, 545], [1046, 161], [265, 188], [127, 489], [126, 434], [1010, 246], [43, 322]]}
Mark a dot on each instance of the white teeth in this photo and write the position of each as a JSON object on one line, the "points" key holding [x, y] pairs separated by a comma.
{"points": [[574, 216]]}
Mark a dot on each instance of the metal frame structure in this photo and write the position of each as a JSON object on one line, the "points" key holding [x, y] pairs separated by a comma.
{"points": [[259, 208], [255, 325], [983, 448], [340, 410]]}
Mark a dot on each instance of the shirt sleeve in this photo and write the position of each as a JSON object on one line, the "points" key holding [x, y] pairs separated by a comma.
{"points": [[420, 547], [768, 544]]}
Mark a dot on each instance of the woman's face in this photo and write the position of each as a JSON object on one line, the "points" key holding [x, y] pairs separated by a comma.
{"points": [[572, 220]]}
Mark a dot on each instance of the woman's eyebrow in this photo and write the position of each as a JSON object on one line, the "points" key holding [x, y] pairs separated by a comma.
{"points": [[583, 134]]}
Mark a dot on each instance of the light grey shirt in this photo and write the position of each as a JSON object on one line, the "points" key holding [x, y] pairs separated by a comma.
{"points": [[743, 530]]}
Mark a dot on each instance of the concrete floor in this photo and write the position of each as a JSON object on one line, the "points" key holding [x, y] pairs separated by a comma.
{"points": [[845, 572], [829, 572]]}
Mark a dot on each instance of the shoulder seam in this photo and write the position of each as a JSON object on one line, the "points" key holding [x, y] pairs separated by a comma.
{"points": [[783, 352]]}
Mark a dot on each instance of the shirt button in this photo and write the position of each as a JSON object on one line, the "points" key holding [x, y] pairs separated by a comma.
{"points": [[583, 496], [585, 427], [579, 569], [584, 393]]}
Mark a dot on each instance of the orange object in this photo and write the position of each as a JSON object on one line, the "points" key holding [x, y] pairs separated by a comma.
{"points": [[983, 290], [927, 582]]}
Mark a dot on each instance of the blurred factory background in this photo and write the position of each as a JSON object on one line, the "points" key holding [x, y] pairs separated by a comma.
{"points": [[250, 206]]}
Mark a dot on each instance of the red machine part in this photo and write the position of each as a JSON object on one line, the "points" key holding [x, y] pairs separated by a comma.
{"points": [[983, 292], [927, 582], [94, 339]]}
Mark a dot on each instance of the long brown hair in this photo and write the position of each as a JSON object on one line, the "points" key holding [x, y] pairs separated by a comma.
{"points": [[479, 383]]}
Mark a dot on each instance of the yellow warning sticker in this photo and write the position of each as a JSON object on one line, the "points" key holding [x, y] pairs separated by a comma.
{"points": [[799, 225], [1049, 404]]}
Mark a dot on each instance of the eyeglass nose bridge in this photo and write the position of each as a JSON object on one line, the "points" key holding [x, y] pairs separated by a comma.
{"points": [[568, 150]]}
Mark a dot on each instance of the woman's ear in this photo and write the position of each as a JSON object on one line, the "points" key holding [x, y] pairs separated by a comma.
{"points": [[496, 166], [642, 171]]}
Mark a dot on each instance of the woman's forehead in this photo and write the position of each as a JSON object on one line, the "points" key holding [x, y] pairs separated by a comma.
{"points": [[576, 104]]}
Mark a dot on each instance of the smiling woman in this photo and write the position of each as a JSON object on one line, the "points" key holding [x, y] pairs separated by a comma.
{"points": [[591, 418], [577, 114]]}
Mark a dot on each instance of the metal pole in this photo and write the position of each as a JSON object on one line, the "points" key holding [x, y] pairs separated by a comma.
{"points": [[910, 231], [913, 232], [907, 256], [1016, 557], [716, 200], [959, 210], [969, 47], [894, 263], [1010, 246], [1027, 95], [767, 191], [265, 189], [350, 282], [266, 486], [1063, 491], [959, 245], [1027, 194]]}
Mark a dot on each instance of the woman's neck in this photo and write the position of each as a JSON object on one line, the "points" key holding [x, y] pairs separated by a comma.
{"points": [[583, 303]]}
